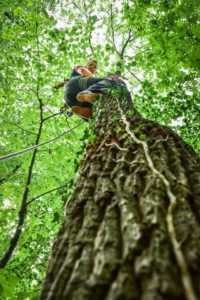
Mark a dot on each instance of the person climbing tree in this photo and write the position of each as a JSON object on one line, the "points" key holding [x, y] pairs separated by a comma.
{"points": [[82, 89]]}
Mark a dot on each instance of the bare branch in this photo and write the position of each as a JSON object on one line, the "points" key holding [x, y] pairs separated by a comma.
{"points": [[43, 194], [90, 42], [141, 82], [126, 43], [52, 116], [66, 119], [128, 40]]}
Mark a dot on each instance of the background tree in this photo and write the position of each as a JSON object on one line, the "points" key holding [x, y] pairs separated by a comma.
{"points": [[40, 42]]}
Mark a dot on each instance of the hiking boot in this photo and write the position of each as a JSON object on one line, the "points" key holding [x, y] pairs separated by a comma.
{"points": [[83, 112], [87, 96]]}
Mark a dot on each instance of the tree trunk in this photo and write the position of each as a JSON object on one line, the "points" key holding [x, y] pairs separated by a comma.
{"points": [[132, 226]]}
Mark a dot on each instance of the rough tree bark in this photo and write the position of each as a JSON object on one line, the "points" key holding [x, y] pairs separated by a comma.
{"points": [[132, 225]]}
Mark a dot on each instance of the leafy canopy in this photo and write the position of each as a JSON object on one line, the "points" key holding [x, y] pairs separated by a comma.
{"points": [[40, 43]]}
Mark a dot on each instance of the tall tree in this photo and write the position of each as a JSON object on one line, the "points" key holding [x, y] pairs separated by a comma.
{"points": [[154, 43], [132, 225]]}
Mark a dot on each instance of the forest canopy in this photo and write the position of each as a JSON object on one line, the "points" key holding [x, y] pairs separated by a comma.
{"points": [[155, 46]]}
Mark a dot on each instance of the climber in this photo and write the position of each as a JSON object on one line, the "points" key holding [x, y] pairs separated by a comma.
{"points": [[81, 77], [82, 89], [74, 85]]}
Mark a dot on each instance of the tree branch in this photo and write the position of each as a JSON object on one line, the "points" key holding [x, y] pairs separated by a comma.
{"points": [[85, 8], [126, 43], [128, 40], [52, 116], [141, 82], [10, 174], [35, 198], [29, 132], [23, 209], [90, 42], [8, 15]]}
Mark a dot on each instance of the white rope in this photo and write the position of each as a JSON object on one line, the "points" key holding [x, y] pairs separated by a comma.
{"points": [[8, 156]]}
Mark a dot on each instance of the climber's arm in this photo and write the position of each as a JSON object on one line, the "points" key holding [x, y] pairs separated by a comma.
{"points": [[84, 72], [79, 69], [58, 86]]}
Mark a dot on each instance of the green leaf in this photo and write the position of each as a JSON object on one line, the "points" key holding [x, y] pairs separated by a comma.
{"points": [[56, 217], [118, 130], [142, 137]]}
